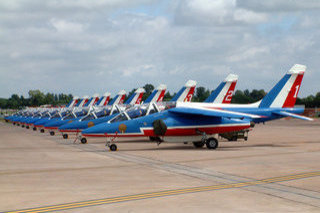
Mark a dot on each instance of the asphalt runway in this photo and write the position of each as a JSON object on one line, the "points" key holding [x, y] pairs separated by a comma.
{"points": [[276, 170]]}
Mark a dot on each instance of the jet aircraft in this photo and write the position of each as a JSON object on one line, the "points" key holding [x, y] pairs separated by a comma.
{"points": [[200, 122]]}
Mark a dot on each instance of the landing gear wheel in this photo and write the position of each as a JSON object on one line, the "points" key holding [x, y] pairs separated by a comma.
{"points": [[52, 133], [65, 136], [22, 126], [83, 140], [199, 144], [113, 147], [34, 128], [27, 127], [14, 123], [234, 138], [18, 124], [212, 143], [42, 130]]}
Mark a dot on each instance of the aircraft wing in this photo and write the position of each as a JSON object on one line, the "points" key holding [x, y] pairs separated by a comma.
{"points": [[288, 114], [212, 112]]}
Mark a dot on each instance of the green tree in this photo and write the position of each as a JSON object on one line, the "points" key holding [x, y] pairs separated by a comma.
{"points": [[36, 97]]}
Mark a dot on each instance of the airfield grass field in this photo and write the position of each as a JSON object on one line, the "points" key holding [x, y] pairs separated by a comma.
{"points": [[276, 170]]}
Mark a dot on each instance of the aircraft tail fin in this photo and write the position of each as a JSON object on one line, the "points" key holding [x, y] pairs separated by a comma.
{"points": [[73, 102], [285, 92], [119, 98], [224, 92], [92, 101], [136, 97], [104, 100], [157, 94], [185, 94], [83, 101]]}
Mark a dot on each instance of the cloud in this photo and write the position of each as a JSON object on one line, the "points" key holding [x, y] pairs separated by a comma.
{"points": [[279, 5], [85, 47]]}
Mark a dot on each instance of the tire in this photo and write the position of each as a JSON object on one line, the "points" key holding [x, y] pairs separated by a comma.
{"points": [[113, 147], [52, 133], [22, 126], [42, 130], [234, 138], [83, 140], [212, 143], [27, 127], [65, 136], [199, 144], [34, 128]]}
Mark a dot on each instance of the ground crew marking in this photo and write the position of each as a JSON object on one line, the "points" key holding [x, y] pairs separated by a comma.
{"points": [[111, 200]]}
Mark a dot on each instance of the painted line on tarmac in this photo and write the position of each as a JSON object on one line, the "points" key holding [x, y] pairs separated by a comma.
{"points": [[127, 198]]}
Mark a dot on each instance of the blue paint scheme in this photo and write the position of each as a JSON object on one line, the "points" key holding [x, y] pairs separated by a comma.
{"points": [[215, 93], [80, 125], [79, 102], [269, 98], [177, 96], [99, 101], [130, 98], [149, 99], [173, 119], [113, 100], [89, 101]]}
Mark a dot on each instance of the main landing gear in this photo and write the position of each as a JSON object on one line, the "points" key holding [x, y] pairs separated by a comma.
{"points": [[52, 133], [211, 143], [111, 146], [34, 128], [83, 140], [42, 130], [65, 136]]}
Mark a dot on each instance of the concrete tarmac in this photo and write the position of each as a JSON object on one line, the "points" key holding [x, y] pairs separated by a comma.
{"points": [[276, 170]]}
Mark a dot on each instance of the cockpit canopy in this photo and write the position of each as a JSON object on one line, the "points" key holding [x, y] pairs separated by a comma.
{"points": [[142, 110]]}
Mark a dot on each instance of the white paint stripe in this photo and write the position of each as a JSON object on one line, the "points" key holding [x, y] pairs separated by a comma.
{"points": [[283, 94], [219, 99]]}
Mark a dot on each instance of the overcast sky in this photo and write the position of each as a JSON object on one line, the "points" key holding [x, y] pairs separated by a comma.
{"points": [[93, 46]]}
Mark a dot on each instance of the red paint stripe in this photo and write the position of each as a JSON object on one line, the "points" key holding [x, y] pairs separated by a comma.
{"points": [[228, 97], [188, 98], [293, 93], [38, 125], [106, 101], [70, 130], [51, 127], [176, 132], [121, 99], [160, 98], [138, 101]]}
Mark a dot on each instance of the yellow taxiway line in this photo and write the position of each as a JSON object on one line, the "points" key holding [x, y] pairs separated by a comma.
{"points": [[111, 200]]}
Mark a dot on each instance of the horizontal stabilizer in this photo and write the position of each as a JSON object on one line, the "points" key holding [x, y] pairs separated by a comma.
{"points": [[288, 114], [212, 112]]}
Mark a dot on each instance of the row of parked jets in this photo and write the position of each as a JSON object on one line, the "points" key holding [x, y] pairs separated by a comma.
{"points": [[178, 120]]}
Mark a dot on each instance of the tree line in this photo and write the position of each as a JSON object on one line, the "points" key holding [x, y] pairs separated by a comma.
{"points": [[37, 98]]}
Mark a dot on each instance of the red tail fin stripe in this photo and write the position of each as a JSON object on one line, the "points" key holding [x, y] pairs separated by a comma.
{"points": [[293, 93], [160, 98], [228, 97], [188, 98]]}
